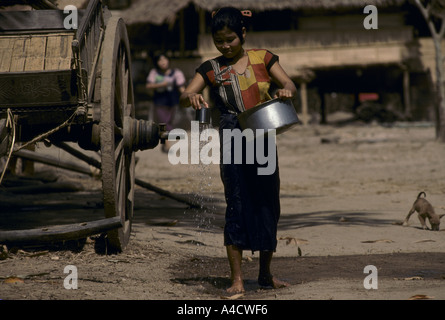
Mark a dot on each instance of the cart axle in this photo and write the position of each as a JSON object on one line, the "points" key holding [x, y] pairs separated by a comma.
{"points": [[142, 134]]}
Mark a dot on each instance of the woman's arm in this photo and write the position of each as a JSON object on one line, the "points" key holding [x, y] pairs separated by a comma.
{"points": [[192, 96], [180, 80], [156, 85], [151, 81], [288, 89]]}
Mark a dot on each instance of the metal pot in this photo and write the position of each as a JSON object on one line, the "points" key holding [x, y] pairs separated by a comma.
{"points": [[275, 114], [203, 115]]}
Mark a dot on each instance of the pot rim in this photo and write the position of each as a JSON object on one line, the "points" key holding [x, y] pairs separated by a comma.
{"points": [[260, 106], [266, 104]]}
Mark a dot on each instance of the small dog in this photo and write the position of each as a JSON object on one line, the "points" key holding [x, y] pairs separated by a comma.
{"points": [[425, 210]]}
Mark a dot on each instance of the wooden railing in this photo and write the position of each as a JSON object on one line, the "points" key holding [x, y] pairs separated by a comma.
{"points": [[316, 38], [89, 38]]}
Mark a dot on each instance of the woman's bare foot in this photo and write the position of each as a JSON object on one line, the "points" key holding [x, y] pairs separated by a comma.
{"points": [[270, 281], [237, 286]]}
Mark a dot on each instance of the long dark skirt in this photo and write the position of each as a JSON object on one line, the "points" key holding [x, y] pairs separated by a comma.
{"points": [[253, 200], [165, 114]]}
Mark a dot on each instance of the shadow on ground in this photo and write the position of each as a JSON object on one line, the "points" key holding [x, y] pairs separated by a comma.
{"points": [[211, 275]]}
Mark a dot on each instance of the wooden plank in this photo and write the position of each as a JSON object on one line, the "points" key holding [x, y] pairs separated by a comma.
{"points": [[59, 233], [53, 48], [34, 20], [35, 53], [52, 161], [5, 54], [58, 52], [38, 88], [18, 54]]}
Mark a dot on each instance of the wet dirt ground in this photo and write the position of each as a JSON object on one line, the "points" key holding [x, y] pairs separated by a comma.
{"points": [[344, 193]]}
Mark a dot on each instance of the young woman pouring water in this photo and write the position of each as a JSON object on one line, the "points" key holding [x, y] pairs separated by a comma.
{"points": [[238, 80]]}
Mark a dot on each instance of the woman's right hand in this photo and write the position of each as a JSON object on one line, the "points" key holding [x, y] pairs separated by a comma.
{"points": [[197, 101], [191, 96]]}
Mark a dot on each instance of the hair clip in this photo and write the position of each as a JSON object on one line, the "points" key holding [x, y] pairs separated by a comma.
{"points": [[214, 12], [246, 13]]}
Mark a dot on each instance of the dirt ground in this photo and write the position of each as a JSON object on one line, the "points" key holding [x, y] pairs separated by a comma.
{"points": [[344, 192]]}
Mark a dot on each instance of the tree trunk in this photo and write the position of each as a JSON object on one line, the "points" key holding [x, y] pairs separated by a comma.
{"points": [[440, 108], [437, 37]]}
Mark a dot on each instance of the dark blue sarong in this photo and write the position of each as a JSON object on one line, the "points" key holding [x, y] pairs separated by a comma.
{"points": [[253, 201]]}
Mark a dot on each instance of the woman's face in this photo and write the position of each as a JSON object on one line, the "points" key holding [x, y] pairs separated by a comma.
{"points": [[163, 63], [228, 43]]}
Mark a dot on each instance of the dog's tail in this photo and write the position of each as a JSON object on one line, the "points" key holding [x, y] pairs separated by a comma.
{"points": [[424, 194], [440, 216]]}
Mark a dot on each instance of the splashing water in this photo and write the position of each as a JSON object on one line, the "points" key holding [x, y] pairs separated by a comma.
{"points": [[201, 194]]}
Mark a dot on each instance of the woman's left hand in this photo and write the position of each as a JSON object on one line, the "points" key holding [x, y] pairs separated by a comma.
{"points": [[283, 94]]}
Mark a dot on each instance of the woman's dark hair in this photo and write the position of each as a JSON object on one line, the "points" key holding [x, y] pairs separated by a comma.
{"points": [[231, 18], [155, 58]]}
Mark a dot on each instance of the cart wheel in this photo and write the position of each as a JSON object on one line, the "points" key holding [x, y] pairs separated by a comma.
{"points": [[117, 103]]}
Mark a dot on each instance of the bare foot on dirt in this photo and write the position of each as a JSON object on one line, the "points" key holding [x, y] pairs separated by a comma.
{"points": [[271, 282], [237, 287]]}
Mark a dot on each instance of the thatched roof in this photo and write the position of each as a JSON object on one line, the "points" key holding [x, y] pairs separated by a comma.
{"points": [[36, 4], [263, 5], [160, 11], [79, 4], [153, 11], [44, 4]]}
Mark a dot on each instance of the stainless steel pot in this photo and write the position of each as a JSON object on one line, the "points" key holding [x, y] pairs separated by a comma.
{"points": [[203, 115], [275, 114]]}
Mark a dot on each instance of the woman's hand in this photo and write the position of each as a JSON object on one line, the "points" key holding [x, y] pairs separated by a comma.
{"points": [[197, 101], [283, 94], [191, 96], [288, 89]]}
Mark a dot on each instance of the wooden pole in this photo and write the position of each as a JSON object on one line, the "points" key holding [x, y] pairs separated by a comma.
{"points": [[81, 169], [304, 104], [406, 93], [59, 233], [30, 155]]}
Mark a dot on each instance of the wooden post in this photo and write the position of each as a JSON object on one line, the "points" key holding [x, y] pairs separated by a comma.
{"points": [[304, 104], [406, 92], [202, 21]]}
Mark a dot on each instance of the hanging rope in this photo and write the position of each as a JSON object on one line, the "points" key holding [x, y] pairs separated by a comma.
{"points": [[48, 133], [10, 123]]}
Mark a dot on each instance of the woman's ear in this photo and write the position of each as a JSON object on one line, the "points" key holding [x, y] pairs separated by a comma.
{"points": [[244, 32]]}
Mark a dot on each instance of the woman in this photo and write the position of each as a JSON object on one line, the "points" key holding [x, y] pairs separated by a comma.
{"points": [[238, 80], [167, 84]]}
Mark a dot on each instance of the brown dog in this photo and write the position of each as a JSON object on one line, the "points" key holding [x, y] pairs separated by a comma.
{"points": [[425, 210]]}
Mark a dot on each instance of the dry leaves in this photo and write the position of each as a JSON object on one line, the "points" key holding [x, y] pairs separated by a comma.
{"points": [[14, 280], [297, 241], [410, 278], [425, 240], [234, 297], [378, 240], [420, 297]]}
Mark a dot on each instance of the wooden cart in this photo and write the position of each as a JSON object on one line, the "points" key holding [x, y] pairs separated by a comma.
{"points": [[74, 85]]}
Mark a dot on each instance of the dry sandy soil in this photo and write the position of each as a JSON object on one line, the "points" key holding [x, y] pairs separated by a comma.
{"points": [[344, 193]]}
